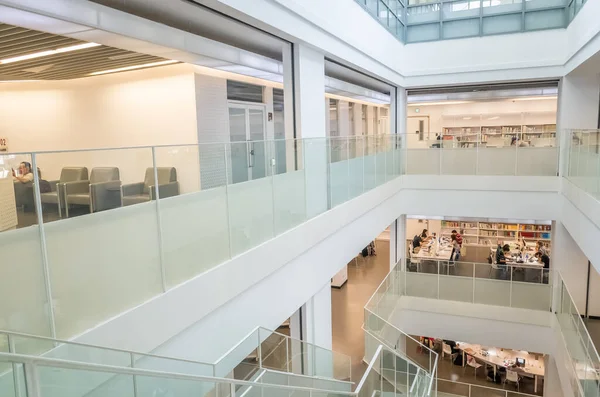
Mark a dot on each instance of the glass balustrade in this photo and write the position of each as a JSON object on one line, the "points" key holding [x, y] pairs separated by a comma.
{"points": [[88, 234], [584, 361], [33, 376], [412, 21], [529, 154], [583, 165]]}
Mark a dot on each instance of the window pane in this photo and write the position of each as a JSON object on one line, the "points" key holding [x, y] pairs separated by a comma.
{"points": [[383, 13], [545, 19], [462, 28], [423, 32], [502, 24], [461, 9], [533, 4], [426, 13]]}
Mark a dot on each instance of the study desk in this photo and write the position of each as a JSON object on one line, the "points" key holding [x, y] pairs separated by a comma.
{"points": [[426, 252], [534, 366]]}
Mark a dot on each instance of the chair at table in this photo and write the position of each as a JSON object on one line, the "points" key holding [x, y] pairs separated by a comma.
{"points": [[101, 192], [447, 350], [512, 376], [56, 194], [471, 362], [413, 261]]}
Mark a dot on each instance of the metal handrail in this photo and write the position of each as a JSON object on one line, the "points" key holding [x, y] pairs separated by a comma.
{"points": [[32, 362], [67, 342], [350, 138]]}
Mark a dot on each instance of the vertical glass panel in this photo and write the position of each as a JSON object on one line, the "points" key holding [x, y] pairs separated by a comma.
{"points": [[372, 6], [502, 23], [491, 7], [456, 288], [457, 161], [548, 19], [240, 162], [426, 32], [422, 284], [159, 386], [531, 296], [194, 226], [8, 386], [541, 161], [462, 28], [392, 24], [251, 217], [315, 152], [383, 13], [339, 172], [422, 14], [23, 296], [400, 33], [496, 160], [423, 161], [461, 9], [114, 248], [289, 190]]}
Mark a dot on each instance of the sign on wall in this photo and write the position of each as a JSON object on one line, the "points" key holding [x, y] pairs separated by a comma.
{"points": [[3, 144]]}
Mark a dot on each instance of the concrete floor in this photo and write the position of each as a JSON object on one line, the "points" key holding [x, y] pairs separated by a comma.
{"points": [[347, 303]]}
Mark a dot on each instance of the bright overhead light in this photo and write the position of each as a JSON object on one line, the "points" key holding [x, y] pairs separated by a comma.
{"points": [[438, 103], [494, 118], [467, 118], [126, 68], [48, 53]]}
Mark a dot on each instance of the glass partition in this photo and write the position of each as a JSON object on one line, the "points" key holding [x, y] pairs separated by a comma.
{"points": [[96, 232], [583, 168]]}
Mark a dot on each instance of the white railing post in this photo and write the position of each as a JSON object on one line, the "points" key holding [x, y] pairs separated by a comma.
{"points": [[438, 279], [134, 377], [15, 366], [229, 232], [510, 268], [161, 255], [232, 389], [43, 247], [32, 380], [473, 263], [259, 349]]}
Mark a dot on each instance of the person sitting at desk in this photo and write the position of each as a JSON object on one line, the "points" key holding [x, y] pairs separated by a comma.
{"points": [[543, 258], [25, 175], [416, 243], [541, 248], [501, 254], [424, 234]]}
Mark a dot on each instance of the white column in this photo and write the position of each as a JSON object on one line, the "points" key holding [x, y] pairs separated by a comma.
{"points": [[393, 243], [309, 83], [316, 317], [401, 239], [343, 118], [357, 119], [567, 257], [578, 106], [371, 113], [400, 108], [327, 118]]}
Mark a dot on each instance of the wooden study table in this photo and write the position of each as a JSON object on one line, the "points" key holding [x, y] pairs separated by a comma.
{"points": [[506, 358]]}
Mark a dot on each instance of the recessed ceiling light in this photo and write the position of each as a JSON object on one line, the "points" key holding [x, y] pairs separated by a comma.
{"points": [[494, 118], [48, 53], [534, 98], [437, 103], [126, 68], [467, 118]]}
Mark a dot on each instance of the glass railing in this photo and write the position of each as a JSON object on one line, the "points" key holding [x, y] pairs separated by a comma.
{"points": [[88, 234], [532, 153], [584, 361], [33, 376], [526, 286], [266, 349], [454, 388], [583, 165], [378, 327], [425, 20]]}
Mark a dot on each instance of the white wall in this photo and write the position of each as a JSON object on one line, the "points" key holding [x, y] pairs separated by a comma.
{"points": [[138, 108]]}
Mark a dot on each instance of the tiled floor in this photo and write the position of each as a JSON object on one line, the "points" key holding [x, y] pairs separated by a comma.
{"points": [[347, 305]]}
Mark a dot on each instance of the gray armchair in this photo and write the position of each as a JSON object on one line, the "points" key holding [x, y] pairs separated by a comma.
{"points": [[101, 192], [56, 195], [141, 192]]}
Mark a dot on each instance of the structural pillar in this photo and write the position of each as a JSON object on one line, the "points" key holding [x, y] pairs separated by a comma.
{"points": [[309, 92], [578, 108], [317, 330]]}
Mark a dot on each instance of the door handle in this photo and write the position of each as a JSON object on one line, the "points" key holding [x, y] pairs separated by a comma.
{"points": [[250, 154]]}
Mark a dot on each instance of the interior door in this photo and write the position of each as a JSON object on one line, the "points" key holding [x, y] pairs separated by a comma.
{"points": [[417, 131], [247, 127]]}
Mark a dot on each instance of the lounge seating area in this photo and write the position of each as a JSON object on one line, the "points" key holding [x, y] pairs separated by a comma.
{"points": [[79, 191]]}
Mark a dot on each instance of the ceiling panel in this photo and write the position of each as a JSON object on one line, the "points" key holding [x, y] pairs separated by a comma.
{"points": [[16, 41]]}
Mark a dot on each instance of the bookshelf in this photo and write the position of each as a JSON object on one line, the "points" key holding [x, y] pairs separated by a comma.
{"points": [[522, 132], [484, 232]]}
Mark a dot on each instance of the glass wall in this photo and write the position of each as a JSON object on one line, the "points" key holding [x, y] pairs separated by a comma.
{"points": [[425, 20]]}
